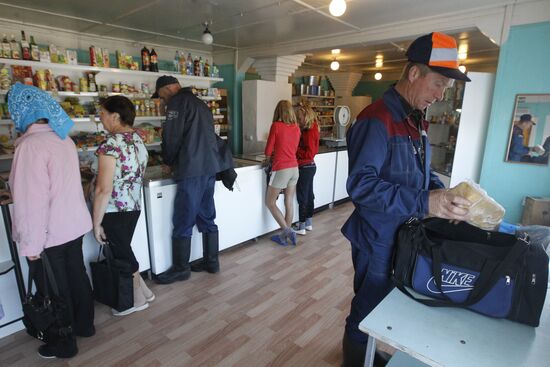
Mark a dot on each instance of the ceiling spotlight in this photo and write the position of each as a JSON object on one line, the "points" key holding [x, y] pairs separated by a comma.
{"points": [[462, 68], [379, 61], [378, 76], [207, 37], [337, 7], [335, 65], [336, 51], [463, 51]]}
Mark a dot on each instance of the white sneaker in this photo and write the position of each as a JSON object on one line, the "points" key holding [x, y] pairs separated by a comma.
{"points": [[130, 310], [299, 228], [308, 225]]}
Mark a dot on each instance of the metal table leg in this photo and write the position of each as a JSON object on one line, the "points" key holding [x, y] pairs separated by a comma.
{"points": [[369, 353]]}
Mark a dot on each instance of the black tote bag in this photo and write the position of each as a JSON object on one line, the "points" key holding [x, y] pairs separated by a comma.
{"points": [[45, 316], [112, 280]]}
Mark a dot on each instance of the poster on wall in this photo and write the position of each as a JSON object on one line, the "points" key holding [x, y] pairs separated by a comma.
{"points": [[529, 140]]}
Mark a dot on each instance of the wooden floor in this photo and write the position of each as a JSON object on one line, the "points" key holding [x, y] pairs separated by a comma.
{"points": [[269, 306]]}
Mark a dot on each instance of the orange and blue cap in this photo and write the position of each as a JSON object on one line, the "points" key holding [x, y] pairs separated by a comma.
{"points": [[439, 52]]}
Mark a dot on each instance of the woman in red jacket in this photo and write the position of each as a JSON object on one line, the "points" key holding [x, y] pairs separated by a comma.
{"points": [[280, 149], [307, 149]]}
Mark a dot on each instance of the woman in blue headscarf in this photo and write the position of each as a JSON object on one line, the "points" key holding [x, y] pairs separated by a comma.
{"points": [[50, 214]]}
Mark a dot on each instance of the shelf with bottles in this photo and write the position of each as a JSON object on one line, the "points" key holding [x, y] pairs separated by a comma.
{"points": [[108, 94], [187, 79], [447, 111], [323, 107]]}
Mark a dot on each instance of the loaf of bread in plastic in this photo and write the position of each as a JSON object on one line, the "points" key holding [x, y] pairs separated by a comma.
{"points": [[485, 212]]}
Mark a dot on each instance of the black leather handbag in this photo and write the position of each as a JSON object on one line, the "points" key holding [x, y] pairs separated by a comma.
{"points": [[492, 273], [45, 316], [112, 280]]}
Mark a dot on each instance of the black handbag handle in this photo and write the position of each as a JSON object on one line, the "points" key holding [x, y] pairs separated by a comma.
{"points": [[48, 276], [107, 252]]}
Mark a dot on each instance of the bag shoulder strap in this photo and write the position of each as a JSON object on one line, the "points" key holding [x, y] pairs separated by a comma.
{"points": [[49, 274], [489, 275]]}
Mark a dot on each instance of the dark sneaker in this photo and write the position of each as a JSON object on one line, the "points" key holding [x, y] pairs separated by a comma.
{"points": [[46, 352]]}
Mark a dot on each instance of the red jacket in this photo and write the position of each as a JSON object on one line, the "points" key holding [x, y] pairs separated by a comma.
{"points": [[309, 145], [282, 144]]}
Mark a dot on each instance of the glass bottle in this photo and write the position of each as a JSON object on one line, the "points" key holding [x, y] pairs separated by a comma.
{"points": [[182, 67], [201, 66], [145, 59], [154, 61], [176, 62], [25, 48], [206, 68], [196, 67], [189, 64], [35, 52]]}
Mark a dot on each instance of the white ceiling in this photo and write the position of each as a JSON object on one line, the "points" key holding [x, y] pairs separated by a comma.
{"points": [[482, 56], [246, 24]]}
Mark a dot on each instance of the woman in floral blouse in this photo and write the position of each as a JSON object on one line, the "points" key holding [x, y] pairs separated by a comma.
{"points": [[122, 160]]}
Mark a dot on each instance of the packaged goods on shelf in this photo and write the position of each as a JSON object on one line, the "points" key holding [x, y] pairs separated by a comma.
{"points": [[5, 80], [149, 134], [87, 140], [45, 56], [22, 74]]}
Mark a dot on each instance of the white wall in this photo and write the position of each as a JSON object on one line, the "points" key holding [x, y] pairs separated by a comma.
{"points": [[259, 100], [474, 120]]}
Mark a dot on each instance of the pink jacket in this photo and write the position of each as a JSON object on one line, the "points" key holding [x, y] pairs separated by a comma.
{"points": [[49, 207]]}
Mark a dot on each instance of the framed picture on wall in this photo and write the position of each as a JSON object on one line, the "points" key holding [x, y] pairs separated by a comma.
{"points": [[529, 140]]}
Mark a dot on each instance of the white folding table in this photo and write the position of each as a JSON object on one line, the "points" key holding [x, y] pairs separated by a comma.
{"points": [[454, 337]]}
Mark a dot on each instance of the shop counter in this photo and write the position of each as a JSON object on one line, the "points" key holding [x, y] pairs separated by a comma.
{"points": [[241, 215]]}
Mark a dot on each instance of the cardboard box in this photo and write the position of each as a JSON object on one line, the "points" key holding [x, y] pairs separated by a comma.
{"points": [[536, 211]]}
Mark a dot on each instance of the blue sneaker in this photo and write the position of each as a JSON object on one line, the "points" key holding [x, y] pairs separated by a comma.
{"points": [[278, 240]]}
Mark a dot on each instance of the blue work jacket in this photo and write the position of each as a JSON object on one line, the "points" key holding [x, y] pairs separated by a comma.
{"points": [[388, 180], [517, 148]]}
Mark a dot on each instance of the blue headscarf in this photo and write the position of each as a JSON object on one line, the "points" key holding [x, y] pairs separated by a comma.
{"points": [[28, 104]]}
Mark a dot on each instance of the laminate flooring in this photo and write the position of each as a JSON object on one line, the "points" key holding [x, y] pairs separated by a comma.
{"points": [[269, 306]]}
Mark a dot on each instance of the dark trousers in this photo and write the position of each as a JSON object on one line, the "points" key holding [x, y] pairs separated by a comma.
{"points": [[74, 287], [194, 204], [119, 228], [304, 191], [371, 283]]}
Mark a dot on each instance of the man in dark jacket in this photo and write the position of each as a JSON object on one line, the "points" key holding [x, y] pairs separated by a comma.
{"points": [[190, 147], [390, 179]]}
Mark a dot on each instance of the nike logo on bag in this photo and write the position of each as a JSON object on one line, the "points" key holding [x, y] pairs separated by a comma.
{"points": [[452, 281]]}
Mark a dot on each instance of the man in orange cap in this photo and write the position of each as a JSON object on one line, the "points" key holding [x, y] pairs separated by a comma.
{"points": [[390, 179]]}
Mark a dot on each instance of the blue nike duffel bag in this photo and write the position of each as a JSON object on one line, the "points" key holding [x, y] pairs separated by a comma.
{"points": [[495, 274]]}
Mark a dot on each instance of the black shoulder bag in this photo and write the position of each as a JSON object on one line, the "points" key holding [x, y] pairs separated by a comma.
{"points": [[46, 317]]}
